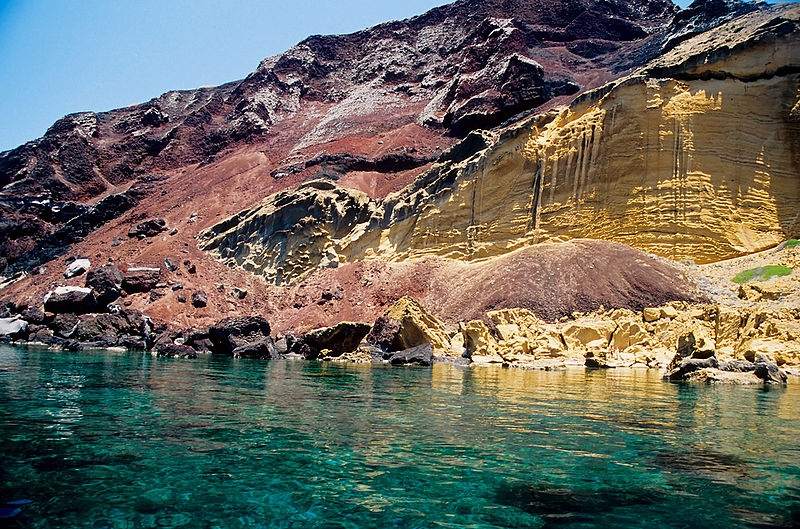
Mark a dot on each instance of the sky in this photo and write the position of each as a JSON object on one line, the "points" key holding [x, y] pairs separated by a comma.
{"points": [[58, 57]]}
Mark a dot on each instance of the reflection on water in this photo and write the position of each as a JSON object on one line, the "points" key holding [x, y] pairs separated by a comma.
{"points": [[114, 440]]}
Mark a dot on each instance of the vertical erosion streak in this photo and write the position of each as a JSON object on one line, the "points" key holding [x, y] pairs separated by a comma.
{"points": [[536, 193]]}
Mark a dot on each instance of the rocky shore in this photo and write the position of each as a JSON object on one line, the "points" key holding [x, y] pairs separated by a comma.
{"points": [[709, 342]]}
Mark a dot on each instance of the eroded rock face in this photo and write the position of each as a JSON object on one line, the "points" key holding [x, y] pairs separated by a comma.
{"points": [[290, 234], [559, 175]]}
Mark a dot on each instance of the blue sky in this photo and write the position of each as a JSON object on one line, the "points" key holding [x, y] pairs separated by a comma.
{"points": [[59, 57]]}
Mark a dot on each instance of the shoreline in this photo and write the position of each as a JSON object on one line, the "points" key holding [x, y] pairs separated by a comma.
{"points": [[792, 372]]}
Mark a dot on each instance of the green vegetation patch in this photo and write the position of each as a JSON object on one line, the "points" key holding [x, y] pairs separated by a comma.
{"points": [[791, 243], [762, 273]]}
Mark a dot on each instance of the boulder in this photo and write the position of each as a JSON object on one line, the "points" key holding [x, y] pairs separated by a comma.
{"points": [[421, 355], [106, 281], [262, 349], [480, 345], [240, 293], [199, 339], [199, 299], [141, 279], [173, 350], [230, 333], [147, 228], [13, 327], [651, 314], [35, 315], [112, 328], [157, 294], [76, 300], [769, 372], [417, 327], [384, 333], [694, 343], [77, 267], [343, 337], [689, 365], [64, 324], [7, 308], [589, 333]]}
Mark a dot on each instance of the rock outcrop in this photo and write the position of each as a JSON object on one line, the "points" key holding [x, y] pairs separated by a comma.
{"points": [[560, 175]]}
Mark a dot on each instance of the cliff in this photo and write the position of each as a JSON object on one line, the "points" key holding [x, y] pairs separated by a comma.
{"points": [[428, 156], [692, 156]]}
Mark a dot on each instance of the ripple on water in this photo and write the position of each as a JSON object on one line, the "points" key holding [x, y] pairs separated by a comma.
{"points": [[101, 439]]}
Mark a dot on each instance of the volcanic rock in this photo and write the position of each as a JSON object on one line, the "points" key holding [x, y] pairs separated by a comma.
{"points": [[76, 300], [77, 267], [421, 355], [199, 299], [337, 340], [64, 325], [141, 279], [147, 228], [13, 327], [230, 333], [263, 349], [106, 281]]}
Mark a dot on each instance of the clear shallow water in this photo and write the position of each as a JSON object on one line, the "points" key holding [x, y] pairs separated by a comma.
{"points": [[102, 439]]}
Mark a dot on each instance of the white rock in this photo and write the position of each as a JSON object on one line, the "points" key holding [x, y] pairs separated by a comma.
{"points": [[77, 267], [12, 326]]}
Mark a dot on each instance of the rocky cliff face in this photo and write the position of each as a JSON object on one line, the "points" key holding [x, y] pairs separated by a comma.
{"points": [[694, 155], [436, 148]]}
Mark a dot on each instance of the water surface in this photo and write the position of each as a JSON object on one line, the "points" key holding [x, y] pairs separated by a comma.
{"points": [[105, 439]]}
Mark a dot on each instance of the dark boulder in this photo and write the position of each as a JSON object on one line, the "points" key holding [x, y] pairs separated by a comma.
{"points": [[342, 338], [173, 350], [199, 339], [157, 294], [106, 281], [384, 333], [64, 325], [199, 299], [230, 333], [103, 327], [264, 349], [768, 371], [35, 315], [147, 228], [421, 355], [141, 279], [737, 366], [76, 300], [690, 365], [7, 308]]}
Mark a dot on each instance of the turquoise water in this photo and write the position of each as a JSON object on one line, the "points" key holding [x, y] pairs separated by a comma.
{"points": [[103, 439]]}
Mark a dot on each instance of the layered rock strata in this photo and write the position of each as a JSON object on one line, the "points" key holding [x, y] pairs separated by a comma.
{"points": [[694, 156]]}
